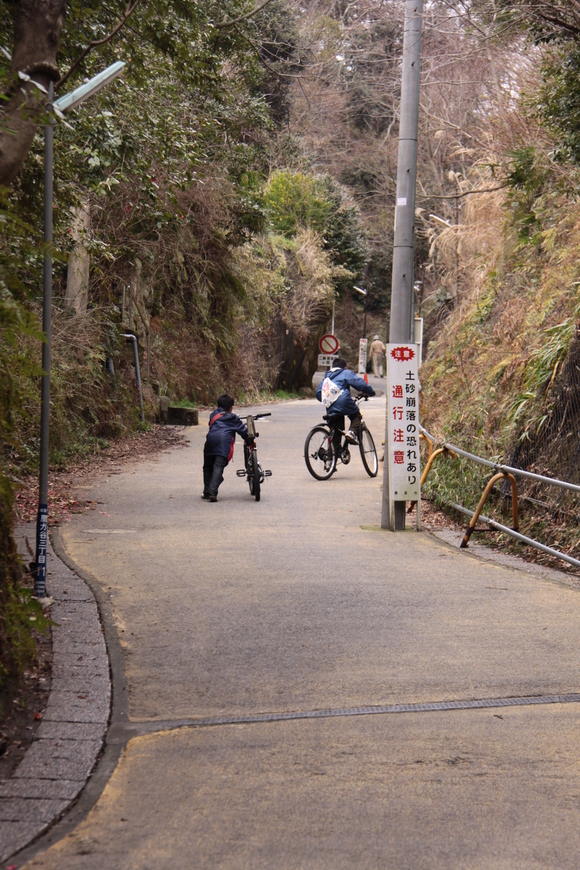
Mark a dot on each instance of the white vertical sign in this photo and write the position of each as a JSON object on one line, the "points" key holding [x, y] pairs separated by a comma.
{"points": [[362, 356], [403, 422]]}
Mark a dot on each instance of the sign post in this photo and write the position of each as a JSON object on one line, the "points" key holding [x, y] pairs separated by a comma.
{"points": [[402, 444]]}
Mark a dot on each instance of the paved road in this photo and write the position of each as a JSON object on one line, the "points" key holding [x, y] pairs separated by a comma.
{"points": [[230, 612]]}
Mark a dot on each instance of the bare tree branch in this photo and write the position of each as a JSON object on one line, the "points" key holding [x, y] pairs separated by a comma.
{"points": [[465, 193], [241, 18], [256, 47], [95, 42]]}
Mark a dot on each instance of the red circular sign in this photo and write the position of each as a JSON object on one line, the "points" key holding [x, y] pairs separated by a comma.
{"points": [[328, 344]]}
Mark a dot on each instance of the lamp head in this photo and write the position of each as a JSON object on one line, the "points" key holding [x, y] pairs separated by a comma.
{"points": [[90, 88]]}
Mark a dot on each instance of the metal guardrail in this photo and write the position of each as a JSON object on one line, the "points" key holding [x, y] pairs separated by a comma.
{"points": [[505, 472]]}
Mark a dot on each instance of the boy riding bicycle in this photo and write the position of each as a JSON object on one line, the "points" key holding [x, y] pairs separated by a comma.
{"points": [[344, 378]]}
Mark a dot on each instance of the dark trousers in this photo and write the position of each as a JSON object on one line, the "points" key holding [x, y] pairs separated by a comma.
{"points": [[213, 473], [338, 422]]}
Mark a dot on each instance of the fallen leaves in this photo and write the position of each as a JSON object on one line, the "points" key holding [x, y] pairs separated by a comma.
{"points": [[63, 496]]}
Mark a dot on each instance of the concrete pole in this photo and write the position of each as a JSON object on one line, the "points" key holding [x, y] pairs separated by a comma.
{"points": [[77, 282], [42, 518], [401, 328]]}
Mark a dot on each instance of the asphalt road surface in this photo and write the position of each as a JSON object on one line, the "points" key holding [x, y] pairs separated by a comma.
{"points": [[239, 622]]}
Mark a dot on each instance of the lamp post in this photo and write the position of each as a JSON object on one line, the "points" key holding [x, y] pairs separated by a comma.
{"points": [[365, 294], [63, 104]]}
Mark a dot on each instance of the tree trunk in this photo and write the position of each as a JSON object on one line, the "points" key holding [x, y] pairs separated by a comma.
{"points": [[37, 31]]}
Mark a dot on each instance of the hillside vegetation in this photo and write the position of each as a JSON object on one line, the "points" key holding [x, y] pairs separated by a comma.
{"points": [[502, 376]]}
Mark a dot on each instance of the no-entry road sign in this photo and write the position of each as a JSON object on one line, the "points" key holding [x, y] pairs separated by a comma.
{"points": [[328, 344]]}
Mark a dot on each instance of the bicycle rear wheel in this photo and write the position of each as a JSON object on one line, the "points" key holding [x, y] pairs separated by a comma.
{"points": [[254, 475], [319, 453], [368, 453]]}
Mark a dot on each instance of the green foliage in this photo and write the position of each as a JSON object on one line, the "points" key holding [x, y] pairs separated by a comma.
{"points": [[295, 201], [17, 322], [526, 178], [276, 31], [559, 102], [455, 480], [541, 368], [20, 614], [298, 201]]}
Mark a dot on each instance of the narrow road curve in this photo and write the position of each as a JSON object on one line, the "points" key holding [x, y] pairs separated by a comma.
{"points": [[307, 691]]}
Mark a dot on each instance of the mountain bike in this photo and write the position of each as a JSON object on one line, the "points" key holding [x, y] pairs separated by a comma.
{"points": [[327, 443], [253, 471]]}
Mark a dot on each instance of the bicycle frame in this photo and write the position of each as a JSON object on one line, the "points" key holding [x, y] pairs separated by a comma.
{"points": [[253, 471], [328, 443]]}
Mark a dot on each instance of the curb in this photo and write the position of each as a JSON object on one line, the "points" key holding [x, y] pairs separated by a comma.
{"points": [[70, 737]]}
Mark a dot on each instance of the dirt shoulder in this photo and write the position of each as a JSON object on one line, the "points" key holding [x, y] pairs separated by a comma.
{"points": [[62, 485]]}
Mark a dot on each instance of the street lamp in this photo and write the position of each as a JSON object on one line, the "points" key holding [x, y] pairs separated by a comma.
{"points": [[63, 104], [365, 294]]}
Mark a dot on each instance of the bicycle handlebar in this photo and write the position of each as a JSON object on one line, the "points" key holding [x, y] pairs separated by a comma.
{"points": [[257, 416]]}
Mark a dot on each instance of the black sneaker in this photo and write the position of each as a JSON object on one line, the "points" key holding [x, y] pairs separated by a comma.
{"points": [[213, 498], [205, 496]]}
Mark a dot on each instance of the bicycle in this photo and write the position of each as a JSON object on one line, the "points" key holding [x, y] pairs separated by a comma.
{"points": [[320, 449], [253, 471]]}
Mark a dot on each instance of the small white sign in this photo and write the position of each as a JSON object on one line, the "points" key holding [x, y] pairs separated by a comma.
{"points": [[403, 422], [362, 356], [401, 200], [326, 360]]}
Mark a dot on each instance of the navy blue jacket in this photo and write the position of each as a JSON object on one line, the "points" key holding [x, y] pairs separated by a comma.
{"points": [[345, 378], [223, 426]]}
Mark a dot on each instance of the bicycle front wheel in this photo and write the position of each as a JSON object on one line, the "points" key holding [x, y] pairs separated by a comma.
{"points": [[319, 453], [254, 475], [368, 453]]}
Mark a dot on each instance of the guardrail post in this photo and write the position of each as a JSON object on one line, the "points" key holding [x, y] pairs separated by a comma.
{"points": [[473, 522]]}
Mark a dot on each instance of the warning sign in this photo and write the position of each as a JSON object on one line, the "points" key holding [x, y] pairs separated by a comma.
{"points": [[362, 356], [403, 422]]}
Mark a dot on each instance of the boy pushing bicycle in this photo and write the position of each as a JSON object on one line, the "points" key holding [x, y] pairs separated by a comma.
{"points": [[219, 445]]}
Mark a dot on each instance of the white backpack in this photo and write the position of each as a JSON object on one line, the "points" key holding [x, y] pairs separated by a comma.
{"points": [[330, 392]]}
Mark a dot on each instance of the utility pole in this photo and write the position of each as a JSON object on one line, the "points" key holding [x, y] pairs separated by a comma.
{"points": [[402, 287]]}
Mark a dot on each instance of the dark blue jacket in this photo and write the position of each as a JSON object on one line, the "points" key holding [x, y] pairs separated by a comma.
{"points": [[345, 378], [223, 426]]}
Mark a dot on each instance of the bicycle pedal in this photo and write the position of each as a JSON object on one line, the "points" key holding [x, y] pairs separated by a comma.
{"points": [[241, 472], [267, 474]]}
